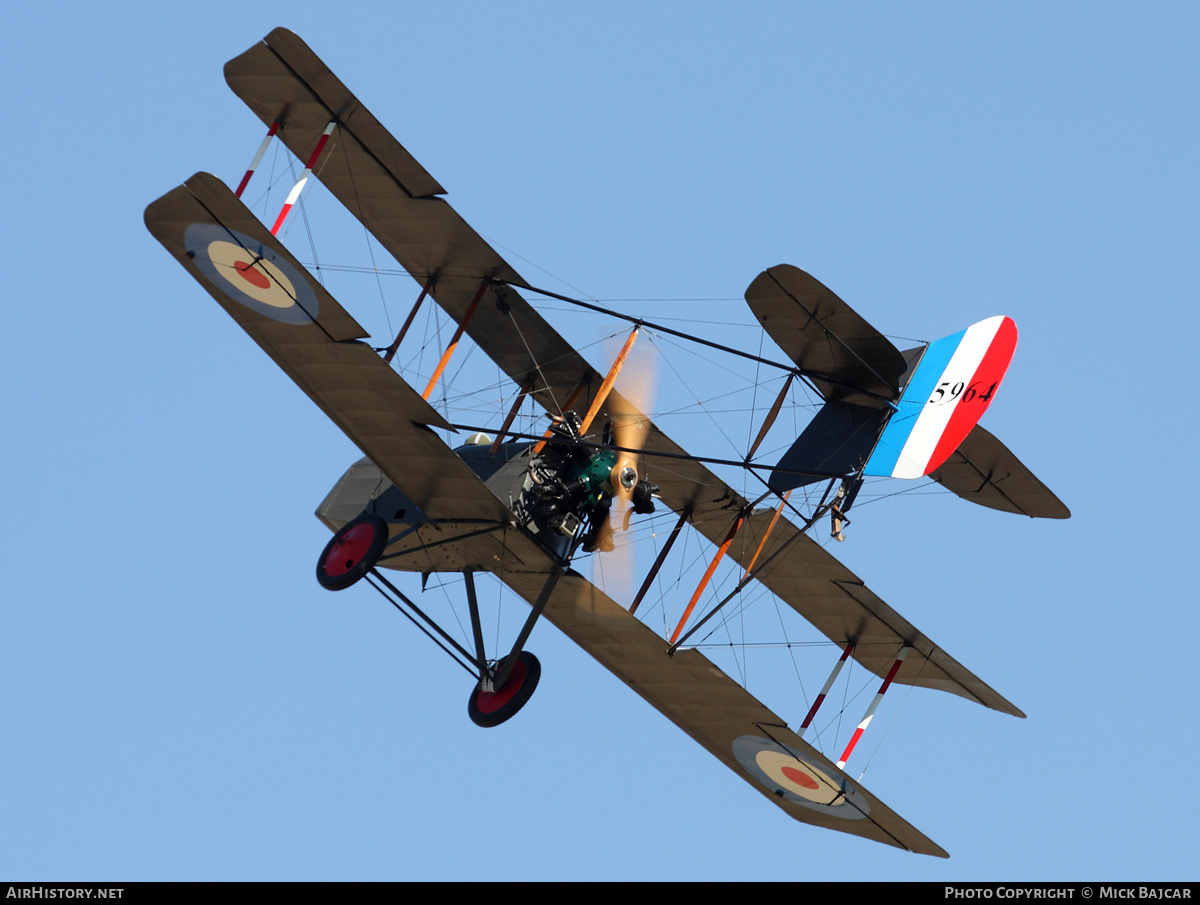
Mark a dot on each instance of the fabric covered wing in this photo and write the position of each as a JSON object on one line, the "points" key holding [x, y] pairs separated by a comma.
{"points": [[379, 183], [811, 581], [281, 77], [983, 471], [721, 715], [312, 338], [845, 356], [845, 610]]}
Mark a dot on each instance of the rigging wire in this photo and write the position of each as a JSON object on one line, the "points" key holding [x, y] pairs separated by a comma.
{"points": [[366, 233], [301, 202], [737, 616], [699, 403], [535, 266]]}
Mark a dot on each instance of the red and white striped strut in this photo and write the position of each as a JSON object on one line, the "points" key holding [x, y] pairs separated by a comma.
{"points": [[262, 149], [299, 186], [866, 720], [812, 711]]}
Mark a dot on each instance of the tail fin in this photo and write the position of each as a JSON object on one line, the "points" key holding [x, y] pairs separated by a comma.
{"points": [[952, 386]]}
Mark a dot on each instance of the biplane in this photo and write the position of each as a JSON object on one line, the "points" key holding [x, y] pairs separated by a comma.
{"points": [[523, 505]]}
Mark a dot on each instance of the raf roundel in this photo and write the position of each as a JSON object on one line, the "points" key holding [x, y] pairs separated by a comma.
{"points": [[251, 274], [795, 778]]}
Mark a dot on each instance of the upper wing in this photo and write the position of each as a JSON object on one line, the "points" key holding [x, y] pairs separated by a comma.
{"points": [[312, 338], [983, 471], [378, 182]]}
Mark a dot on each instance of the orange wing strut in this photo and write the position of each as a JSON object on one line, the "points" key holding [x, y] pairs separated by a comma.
{"points": [[712, 567], [607, 385], [762, 543], [601, 394], [441, 365]]}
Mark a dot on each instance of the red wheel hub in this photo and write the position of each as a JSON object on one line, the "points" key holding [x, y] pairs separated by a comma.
{"points": [[349, 549]]}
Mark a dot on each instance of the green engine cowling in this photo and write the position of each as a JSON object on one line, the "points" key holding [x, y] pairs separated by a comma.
{"points": [[593, 476]]}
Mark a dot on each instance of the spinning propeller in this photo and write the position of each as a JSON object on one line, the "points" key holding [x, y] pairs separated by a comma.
{"points": [[627, 430]]}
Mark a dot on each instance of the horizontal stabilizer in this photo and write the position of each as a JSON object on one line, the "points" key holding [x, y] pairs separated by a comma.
{"points": [[847, 358], [983, 471]]}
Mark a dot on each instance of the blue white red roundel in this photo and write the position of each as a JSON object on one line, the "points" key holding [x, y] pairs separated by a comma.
{"points": [[796, 778], [251, 274]]}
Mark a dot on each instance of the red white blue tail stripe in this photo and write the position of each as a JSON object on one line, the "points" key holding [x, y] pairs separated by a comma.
{"points": [[951, 388]]}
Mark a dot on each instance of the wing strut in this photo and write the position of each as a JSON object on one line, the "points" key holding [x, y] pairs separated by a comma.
{"points": [[771, 416], [299, 186], [566, 407], [837, 668], [445, 359], [524, 390], [607, 385], [866, 720], [762, 543], [751, 572], [712, 567], [262, 149], [390, 352], [659, 560]]}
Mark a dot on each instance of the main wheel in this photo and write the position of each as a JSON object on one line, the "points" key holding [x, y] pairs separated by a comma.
{"points": [[352, 552], [491, 708]]}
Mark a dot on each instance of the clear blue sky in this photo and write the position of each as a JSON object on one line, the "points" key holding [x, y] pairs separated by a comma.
{"points": [[180, 700]]}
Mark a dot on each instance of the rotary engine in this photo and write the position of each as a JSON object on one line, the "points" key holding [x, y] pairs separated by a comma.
{"points": [[569, 484]]}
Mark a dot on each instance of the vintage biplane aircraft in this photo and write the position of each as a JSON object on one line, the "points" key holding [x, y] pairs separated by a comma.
{"points": [[522, 506]]}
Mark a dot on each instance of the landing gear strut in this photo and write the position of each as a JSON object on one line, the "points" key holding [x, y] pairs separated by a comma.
{"points": [[504, 688]]}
